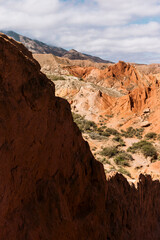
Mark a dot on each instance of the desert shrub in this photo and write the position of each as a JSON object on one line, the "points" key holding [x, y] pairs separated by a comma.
{"points": [[149, 151], [109, 151], [132, 132], [158, 137], [102, 128], [138, 167], [109, 115], [89, 125], [119, 140], [83, 124], [105, 134], [94, 149], [95, 136], [55, 77], [104, 161], [112, 131], [123, 159], [124, 172], [151, 135], [146, 148], [107, 131]]}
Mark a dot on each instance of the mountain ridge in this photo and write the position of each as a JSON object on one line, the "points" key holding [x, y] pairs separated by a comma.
{"points": [[39, 47]]}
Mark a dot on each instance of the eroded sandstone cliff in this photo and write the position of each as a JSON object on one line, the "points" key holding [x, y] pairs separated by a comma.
{"points": [[51, 187]]}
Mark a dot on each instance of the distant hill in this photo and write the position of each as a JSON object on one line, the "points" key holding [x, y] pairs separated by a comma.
{"points": [[36, 46], [39, 47]]}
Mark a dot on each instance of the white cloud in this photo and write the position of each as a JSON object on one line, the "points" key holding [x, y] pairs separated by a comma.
{"points": [[117, 29]]}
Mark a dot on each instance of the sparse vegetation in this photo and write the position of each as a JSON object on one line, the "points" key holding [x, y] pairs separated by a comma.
{"points": [[119, 140], [104, 161], [138, 167], [94, 149], [145, 147], [109, 116], [112, 131], [55, 77], [123, 159], [109, 151], [94, 132], [124, 172], [151, 135], [96, 136], [83, 124], [132, 132]]}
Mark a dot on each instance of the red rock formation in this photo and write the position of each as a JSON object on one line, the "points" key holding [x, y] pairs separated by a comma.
{"points": [[51, 186], [78, 71], [121, 75]]}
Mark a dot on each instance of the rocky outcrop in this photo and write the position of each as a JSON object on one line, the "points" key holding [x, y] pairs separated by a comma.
{"points": [[133, 213], [80, 72], [51, 186], [121, 76]]}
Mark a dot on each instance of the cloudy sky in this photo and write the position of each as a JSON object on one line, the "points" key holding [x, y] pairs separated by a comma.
{"points": [[126, 30]]}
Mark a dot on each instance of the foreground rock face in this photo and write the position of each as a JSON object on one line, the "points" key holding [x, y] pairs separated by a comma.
{"points": [[51, 186], [133, 213]]}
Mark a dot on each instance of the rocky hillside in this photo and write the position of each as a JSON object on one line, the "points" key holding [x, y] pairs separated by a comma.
{"points": [[121, 90], [39, 47], [115, 106], [51, 185]]}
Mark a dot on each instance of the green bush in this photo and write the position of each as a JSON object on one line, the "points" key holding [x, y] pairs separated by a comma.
{"points": [[109, 116], [149, 151], [146, 148], [151, 135], [102, 128], [132, 132], [104, 161], [112, 131], [124, 172], [55, 77], [123, 159], [109, 151], [105, 134], [83, 124], [119, 140], [96, 136]]}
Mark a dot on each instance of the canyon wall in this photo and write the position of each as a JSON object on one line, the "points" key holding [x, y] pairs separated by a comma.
{"points": [[51, 187]]}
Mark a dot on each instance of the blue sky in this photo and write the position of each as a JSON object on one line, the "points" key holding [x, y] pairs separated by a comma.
{"points": [[114, 30]]}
